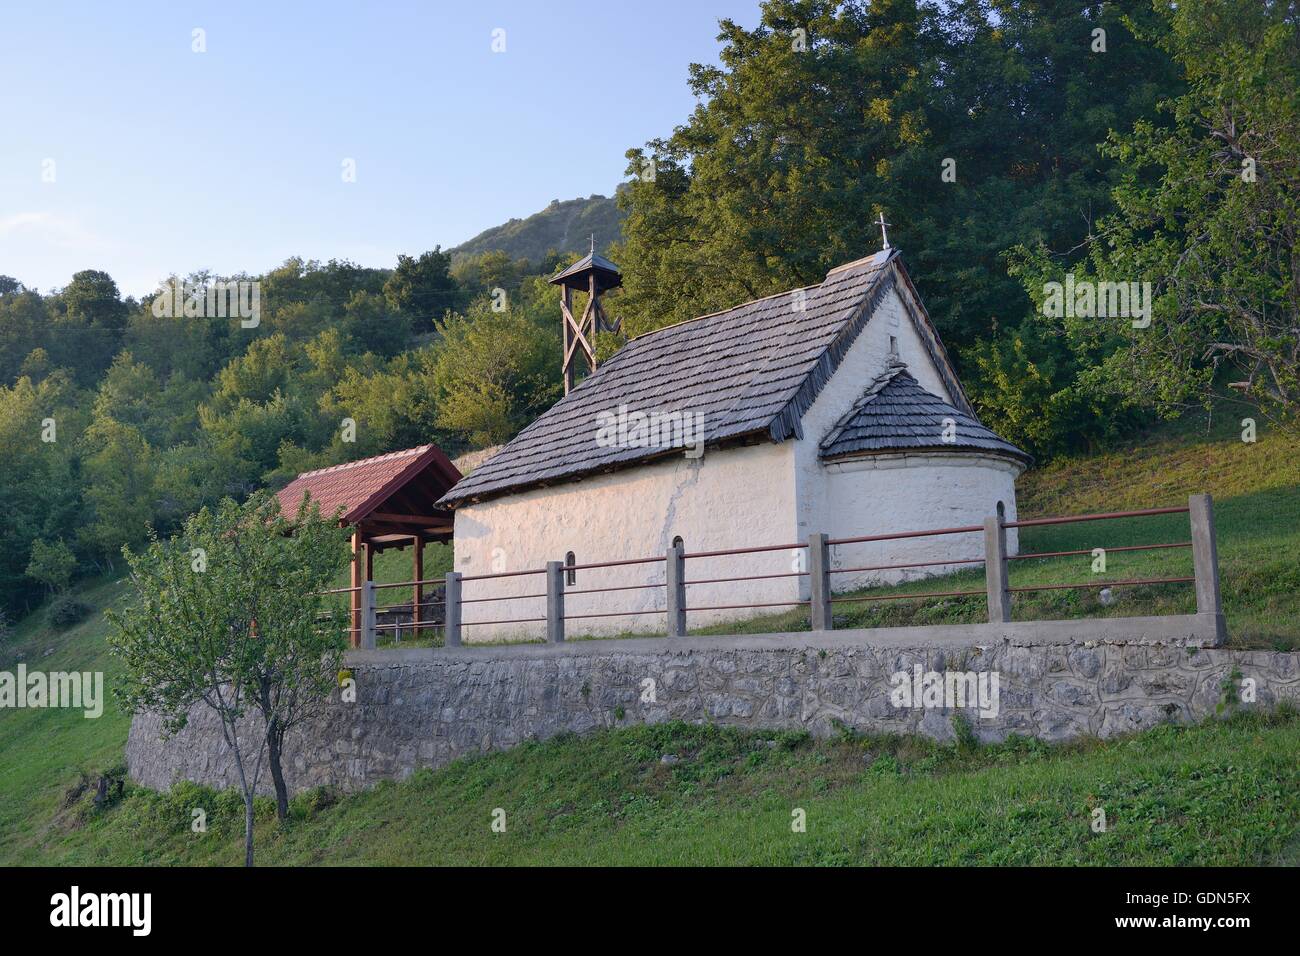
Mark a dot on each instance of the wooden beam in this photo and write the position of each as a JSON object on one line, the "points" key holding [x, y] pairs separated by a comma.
{"points": [[355, 618], [430, 521], [418, 563]]}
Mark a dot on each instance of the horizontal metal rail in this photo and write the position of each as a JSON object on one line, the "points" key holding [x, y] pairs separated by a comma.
{"points": [[608, 564], [910, 564], [1102, 584], [750, 577], [501, 574], [907, 597], [423, 625], [965, 529], [1105, 516], [514, 620], [406, 607], [760, 548], [411, 584], [621, 587], [732, 607], [505, 597], [1127, 547]]}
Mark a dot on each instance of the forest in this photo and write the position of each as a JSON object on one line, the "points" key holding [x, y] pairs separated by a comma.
{"points": [[1009, 143]]}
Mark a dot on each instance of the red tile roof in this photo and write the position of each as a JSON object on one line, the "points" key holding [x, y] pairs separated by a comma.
{"points": [[360, 486]]}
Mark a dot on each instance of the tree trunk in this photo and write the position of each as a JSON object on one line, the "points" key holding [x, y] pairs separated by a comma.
{"points": [[274, 739], [247, 787], [248, 828]]}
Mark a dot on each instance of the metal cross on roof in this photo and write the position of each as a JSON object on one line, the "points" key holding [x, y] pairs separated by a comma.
{"points": [[884, 236]]}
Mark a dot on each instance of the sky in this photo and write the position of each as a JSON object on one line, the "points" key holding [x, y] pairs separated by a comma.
{"points": [[124, 149]]}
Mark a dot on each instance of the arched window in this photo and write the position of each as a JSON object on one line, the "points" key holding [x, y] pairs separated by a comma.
{"points": [[679, 543], [1002, 512], [570, 576]]}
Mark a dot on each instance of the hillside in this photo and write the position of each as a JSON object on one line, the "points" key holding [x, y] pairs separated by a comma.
{"points": [[564, 226], [1219, 794]]}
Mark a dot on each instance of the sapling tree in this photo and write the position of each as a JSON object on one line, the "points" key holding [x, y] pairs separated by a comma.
{"points": [[230, 614]]}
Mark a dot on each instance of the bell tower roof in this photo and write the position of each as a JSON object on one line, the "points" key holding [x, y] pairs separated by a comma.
{"points": [[577, 276]]}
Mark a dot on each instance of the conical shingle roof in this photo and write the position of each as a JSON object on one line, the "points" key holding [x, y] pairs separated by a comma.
{"points": [[896, 414]]}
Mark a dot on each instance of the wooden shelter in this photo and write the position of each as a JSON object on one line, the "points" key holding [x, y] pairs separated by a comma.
{"points": [[389, 501]]}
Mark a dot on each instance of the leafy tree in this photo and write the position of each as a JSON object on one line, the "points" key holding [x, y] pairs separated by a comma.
{"points": [[1208, 212], [229, 615], [119, 480], [39, 483], [423, 287], [796, 147], [52, 564], [88, 329], [493, 373], [23, 318]]}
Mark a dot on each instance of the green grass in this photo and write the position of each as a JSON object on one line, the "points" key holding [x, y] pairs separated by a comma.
{"points": [[1222, 793], [1225, 793]]}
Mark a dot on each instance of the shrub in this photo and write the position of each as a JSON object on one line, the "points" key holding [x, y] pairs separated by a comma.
{"points": [[66, 610]]}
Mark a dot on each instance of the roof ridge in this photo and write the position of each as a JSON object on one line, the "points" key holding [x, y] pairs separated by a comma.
{"points": [[386, 456]]}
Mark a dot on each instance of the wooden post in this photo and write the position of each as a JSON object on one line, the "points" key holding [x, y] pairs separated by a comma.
{"points": [[417, 595], [1205, 562], [555, 602], [675, 575], [819, 581], [368, 615], [566, 318], [451, 610], [995, 570], [354, 598]]}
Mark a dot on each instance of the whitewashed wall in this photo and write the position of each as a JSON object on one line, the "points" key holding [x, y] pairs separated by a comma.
{"points": [[728, 498]]}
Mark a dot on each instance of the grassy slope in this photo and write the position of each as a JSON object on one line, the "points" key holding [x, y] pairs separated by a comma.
{"points": [[1217, 794], [1226, 793]]}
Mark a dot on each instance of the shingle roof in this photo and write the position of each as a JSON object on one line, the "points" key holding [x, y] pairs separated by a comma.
{"points": [[749, 371], [607, 274], [360, 486], [897, 414]]}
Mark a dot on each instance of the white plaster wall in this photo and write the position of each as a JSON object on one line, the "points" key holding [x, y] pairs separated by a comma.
{"points": [[891, 493], [728, 498]]}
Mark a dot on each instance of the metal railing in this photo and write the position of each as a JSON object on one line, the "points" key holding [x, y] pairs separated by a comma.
{"points": [[817, 568]]}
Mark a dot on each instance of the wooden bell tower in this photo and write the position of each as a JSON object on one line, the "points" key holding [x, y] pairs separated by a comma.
{"points": [[594, 275]]}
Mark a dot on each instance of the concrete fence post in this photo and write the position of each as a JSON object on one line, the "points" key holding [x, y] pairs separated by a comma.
{"points": [[995, 569], [675, 576], [819, 582], [1205, 562], [368, 615], [451, 610], [555, 602]]}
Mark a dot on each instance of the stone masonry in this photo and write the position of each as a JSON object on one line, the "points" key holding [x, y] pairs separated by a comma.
{"points": [[425, 707]]}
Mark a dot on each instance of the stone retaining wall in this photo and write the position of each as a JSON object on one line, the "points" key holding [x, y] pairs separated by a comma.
{"points": [[425, 707]]}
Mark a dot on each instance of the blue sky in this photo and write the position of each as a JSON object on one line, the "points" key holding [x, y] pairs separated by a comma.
{"points": [[168, 161]]}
